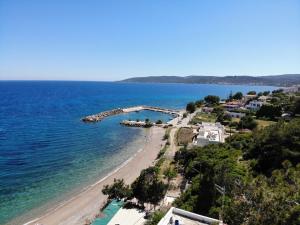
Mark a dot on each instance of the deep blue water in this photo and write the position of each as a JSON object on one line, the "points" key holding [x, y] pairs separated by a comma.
{"points": [[46, 151]]}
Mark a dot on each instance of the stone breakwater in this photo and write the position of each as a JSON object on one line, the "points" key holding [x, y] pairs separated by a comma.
{"points": [[133, 123], [100, 116]]}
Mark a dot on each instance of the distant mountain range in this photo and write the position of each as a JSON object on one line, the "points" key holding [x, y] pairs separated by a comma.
{"points": [[283, 80]]}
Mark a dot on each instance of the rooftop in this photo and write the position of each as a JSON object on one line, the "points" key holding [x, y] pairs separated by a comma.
{"points": [[209, 132], [182, 217]]}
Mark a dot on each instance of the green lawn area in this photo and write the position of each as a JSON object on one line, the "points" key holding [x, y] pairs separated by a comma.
{"points": [[184, 136], [203, 117], [235, 120], [264, 123]]}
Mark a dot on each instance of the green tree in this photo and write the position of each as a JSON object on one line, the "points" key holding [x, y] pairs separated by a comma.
{"points": [[263, 200], [251, 93], [205, 167], [190, 107], [296, 108], [247, 165], [212, 99], [118, 190], [277, 91], [223, 118], [199, 103], [274, 144], [170, 174], [259, 94], [218, 110], [247, 122], [269, 111], [148, 188], [238, 96], [159, 122], [155, 218]]}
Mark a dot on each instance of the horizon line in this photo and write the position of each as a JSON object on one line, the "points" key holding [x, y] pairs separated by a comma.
{"points": [[149, 76]]}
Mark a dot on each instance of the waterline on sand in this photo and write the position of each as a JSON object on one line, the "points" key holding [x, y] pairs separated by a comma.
{"points": [[128, 170]]}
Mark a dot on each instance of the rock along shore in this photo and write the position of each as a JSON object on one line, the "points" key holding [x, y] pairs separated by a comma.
{"points": [[100, 116]]}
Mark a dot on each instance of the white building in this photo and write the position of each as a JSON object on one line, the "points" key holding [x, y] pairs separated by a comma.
{"points": [[177, 216], [209, 133], [246, 98], [292, 89], [264, 98], [235, 114], [254, 105]]}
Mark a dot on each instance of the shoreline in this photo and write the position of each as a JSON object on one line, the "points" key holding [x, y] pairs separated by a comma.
{"points": [[86, 204]]}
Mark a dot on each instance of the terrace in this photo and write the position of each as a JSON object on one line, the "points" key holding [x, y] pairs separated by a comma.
{"points": [[177, 216]]}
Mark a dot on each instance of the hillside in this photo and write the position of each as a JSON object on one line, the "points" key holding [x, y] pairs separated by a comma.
{"points": [[272, 80]]}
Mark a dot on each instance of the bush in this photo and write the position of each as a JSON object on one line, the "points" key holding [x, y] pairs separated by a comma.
{"points": [[269, 111], [159, 122], [274, 144], [238, 96], [148, 188], [247, 122], [161, 152], [155, 218], [190, 107], [149, 124], [251, 93], [199, 103], [118, 190], [212, 99]]}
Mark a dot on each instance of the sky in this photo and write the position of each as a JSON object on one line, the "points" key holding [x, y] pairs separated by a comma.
{"points": [[116, 39]]}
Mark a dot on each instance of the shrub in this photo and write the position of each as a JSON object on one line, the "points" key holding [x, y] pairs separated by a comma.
{"points": [[159, 122], [190, 107], [238, 96], [199, 103], [247, 122], [251, 93], [212, 99], [269, 111]]}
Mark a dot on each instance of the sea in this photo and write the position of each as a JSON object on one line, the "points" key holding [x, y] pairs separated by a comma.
{"points": [[47, 153]]}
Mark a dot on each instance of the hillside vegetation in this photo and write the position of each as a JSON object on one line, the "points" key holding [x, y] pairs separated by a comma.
{"points": [[274, 80], [260, 172]]}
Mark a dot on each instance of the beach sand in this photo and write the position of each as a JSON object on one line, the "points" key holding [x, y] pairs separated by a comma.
{"points": [[86, 205]]}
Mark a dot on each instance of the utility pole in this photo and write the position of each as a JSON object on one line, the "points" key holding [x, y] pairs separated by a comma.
{"points": [[221, 190]]}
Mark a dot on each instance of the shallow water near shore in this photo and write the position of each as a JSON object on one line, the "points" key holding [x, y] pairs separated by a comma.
{"points": [[46, 151]]}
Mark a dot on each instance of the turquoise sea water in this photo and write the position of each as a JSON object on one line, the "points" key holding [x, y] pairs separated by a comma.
{"points": [[46, 152]]}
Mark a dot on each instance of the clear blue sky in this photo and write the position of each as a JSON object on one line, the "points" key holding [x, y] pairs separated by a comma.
{"points": [[111, 40]]}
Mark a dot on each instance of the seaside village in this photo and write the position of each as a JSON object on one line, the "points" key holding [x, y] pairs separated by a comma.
{"points": [[180, 190]]}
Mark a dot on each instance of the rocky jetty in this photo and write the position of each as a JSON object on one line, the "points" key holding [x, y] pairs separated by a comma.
{"points": [[100, 116], [162, 110], [133, 123]]}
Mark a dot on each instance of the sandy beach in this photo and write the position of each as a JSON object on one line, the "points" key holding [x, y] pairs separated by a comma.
{"points": [[86, 205]]}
